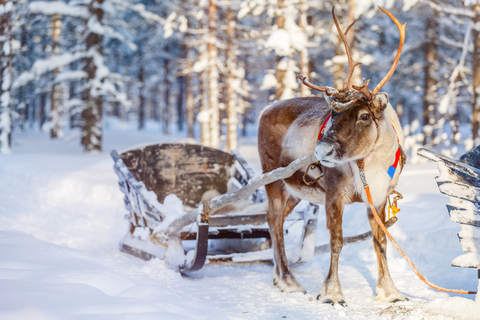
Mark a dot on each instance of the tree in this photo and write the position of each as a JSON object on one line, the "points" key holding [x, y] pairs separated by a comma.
{"points": [[231, 99], [476, 76], [213, 75], [6, 75], [93, 111], [99, 80], [464, 80], [430, 87], [55, 116]]}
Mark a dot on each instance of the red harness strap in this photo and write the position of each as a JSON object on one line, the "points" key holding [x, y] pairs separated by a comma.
{"points": [[322, 129], [398, 154]]}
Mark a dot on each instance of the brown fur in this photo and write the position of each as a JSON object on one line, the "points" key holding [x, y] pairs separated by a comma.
{"points": [[288, 130]]}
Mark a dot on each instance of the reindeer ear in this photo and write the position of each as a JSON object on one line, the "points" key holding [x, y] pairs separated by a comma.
{"points": [[379, 104]]}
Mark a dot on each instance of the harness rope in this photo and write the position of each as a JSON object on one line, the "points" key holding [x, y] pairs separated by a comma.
{"points": [[360, 164]]}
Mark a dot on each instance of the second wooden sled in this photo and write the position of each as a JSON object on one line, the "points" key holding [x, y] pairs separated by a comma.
{"points": [[150, 175]]}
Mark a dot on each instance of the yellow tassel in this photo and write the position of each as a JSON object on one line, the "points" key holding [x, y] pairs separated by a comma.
{"points": [[393, 208]]}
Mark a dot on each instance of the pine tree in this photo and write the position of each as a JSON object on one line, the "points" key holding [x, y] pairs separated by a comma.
{"points": [[93, 112]]}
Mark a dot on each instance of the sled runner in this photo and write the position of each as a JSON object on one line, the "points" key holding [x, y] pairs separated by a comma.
{"points": [[460, 180], [162, 180]]}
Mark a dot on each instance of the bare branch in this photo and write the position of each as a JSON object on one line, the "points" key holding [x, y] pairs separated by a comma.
{"points": [[450, 10]]}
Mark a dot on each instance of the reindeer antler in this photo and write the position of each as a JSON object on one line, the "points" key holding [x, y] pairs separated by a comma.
{"points": [[304, 80], [401, 29], [346, 94], [351, 63], [364, 89], [328, 90]]}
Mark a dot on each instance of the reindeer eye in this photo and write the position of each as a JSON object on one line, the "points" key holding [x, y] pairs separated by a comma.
{"points": [[365, 117]]}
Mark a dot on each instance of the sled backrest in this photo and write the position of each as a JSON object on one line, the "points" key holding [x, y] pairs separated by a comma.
{"points": [[186, 170]]}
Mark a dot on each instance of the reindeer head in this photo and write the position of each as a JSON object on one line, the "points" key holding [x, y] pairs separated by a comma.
{"points": [[355, 112]]}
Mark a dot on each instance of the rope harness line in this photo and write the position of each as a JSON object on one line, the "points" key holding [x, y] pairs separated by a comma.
{"points": [[360, 164]]}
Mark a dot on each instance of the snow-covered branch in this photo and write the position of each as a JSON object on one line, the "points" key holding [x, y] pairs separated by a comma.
{"points": [[464, 12], [49, 8], [40, 67]]}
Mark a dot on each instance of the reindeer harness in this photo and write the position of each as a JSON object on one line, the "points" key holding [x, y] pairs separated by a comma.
{"points": [[391, 170]]}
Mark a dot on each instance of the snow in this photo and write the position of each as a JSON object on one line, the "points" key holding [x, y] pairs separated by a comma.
{"points": [[48, 8], [269, 81], [62, 218], [7, 7], [470, 309], [43, 66]]}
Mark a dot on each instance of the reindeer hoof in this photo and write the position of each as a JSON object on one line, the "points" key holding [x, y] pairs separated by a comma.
{"points": [[392, 298], [287, 283], [291, 288], [340, 302], [399, 300]]}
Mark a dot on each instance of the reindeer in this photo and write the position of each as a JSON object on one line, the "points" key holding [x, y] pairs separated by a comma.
{"points": [[359, 131]]}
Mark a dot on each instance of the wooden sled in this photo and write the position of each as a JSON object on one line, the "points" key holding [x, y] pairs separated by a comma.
{"points": [[460, 180], [150, 175]]}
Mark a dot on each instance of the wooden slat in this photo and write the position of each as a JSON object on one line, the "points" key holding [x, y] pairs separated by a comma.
{"points": [[468, 260], [136, 252], [464, 216], [459, 190], [460, 168], [236, 220], [469, 244]]}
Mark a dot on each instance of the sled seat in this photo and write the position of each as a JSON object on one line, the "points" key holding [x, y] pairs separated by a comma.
{"points": [[160, 180]]}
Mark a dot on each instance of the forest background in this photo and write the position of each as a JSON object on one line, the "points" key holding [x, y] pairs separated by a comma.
{"points": [[208, 67]]}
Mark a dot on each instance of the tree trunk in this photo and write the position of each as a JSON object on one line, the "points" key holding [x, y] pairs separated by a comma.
{"points": [[190, 104], [166, 97], [55, 117], [6, 74], [231, 101], [204, 114], [213, 89], [71, 95], [357, 74], [430, 82], [281, 61], [24, 100], [304, 63], [142, 104], [92, 114], [476, 78], [42, 109], [180, 99]]}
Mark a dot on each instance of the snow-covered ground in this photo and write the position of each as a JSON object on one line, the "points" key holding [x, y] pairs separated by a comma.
{"points": [[61, 218]]}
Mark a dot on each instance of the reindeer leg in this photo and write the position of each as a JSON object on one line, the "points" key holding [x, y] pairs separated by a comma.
{"points": [[385, 290], [331, 291], [280, 204]]}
